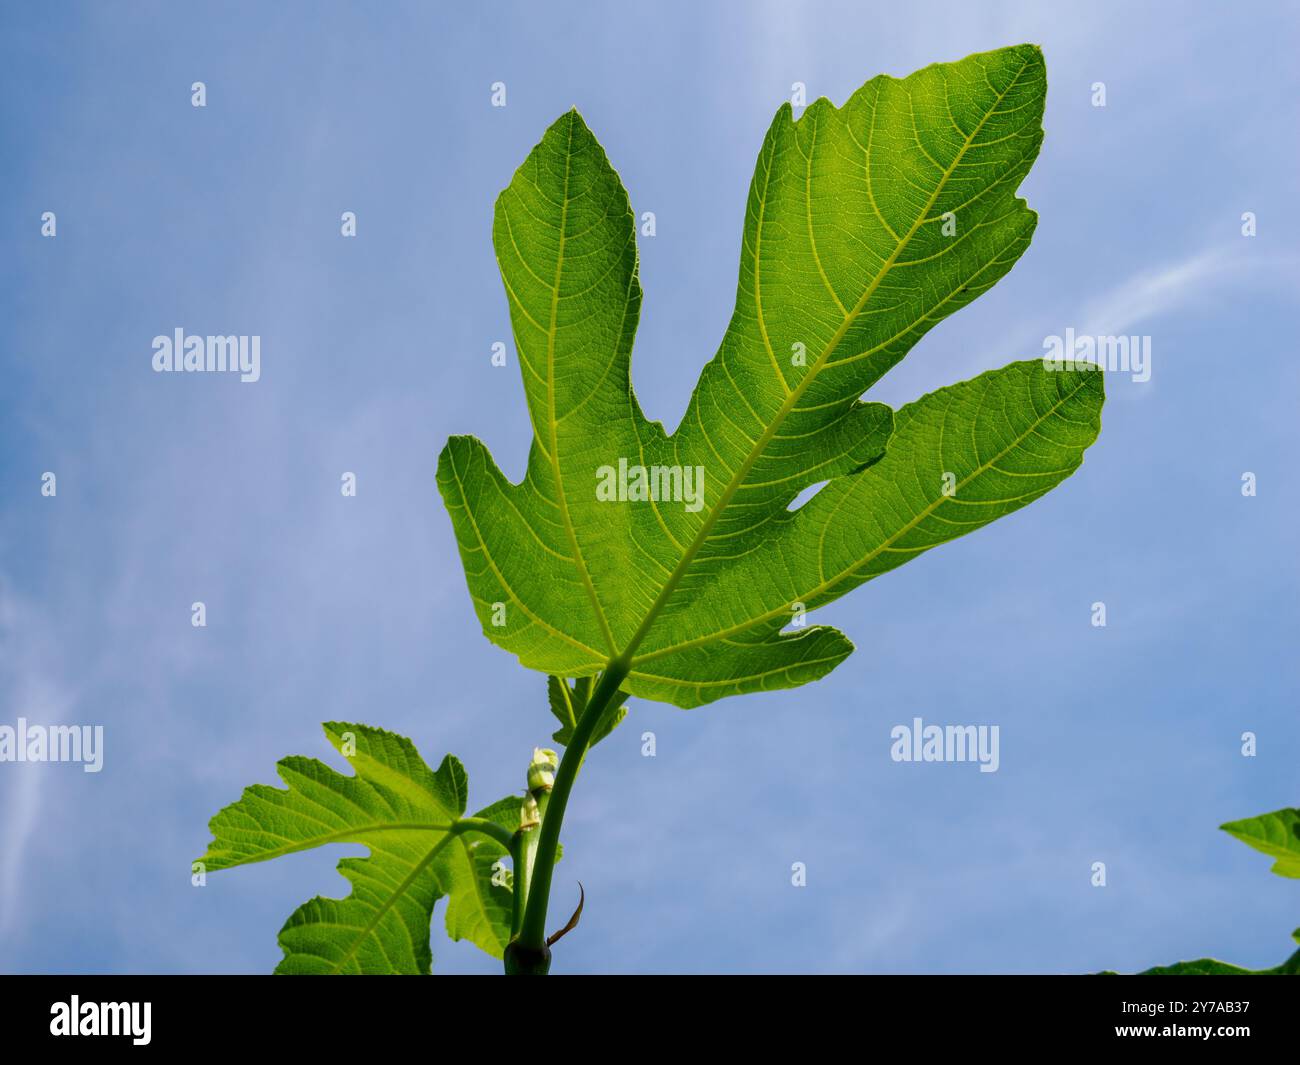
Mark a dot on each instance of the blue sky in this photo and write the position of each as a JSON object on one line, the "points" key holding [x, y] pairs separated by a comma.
{"points": [[1119, 745]]}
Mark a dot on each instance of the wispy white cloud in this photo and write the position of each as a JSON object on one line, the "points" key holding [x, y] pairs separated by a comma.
{"points": [[1194, 283], [29, 690], [1155, 292]]}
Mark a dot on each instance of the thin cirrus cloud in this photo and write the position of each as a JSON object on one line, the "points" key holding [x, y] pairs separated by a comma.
{"points": [[1194, 283], [28, 686], [1153, 293]]}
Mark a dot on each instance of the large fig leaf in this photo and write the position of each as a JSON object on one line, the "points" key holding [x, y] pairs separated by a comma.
{"points": [[866, 225]]}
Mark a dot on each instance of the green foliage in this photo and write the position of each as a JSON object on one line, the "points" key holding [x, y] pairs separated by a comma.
{"points": [[1210, 967], [631, 561], [866, 225], [421, 848], [567, 703], [1277, 835]]}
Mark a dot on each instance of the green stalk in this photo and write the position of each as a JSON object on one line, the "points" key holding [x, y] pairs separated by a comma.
{"points": [[528, 951], [479, 824], [525, 857], [520, 892]]}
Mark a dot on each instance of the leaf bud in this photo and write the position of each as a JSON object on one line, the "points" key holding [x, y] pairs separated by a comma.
{"points": [[541, 771]]}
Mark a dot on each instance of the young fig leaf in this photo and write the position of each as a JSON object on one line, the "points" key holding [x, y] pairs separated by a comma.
{"points": [[567, 702], [421, 848], [1276, 834]]}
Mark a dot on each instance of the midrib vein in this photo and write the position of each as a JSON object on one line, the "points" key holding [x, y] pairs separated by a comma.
{"points": [[794, 396], [550, 404], [390, 902], [347, 835]]}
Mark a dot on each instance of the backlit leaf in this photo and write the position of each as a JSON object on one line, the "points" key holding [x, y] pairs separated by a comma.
{"points": [[407, 815], [866, 225]]}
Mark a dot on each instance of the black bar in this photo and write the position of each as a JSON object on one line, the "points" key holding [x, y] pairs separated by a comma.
{"points": [[215, 1015]]}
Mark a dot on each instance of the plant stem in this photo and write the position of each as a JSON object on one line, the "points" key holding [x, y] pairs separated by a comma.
{"points": [[520, 892], [532, 933], [525, 857]]}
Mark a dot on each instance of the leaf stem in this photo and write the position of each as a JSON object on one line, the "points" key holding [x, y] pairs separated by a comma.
{"points": [[488, 828], [532, 933], [568, 702]]}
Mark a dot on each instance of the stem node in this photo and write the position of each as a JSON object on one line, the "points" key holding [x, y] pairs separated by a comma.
{"points": [[527, 961]]}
